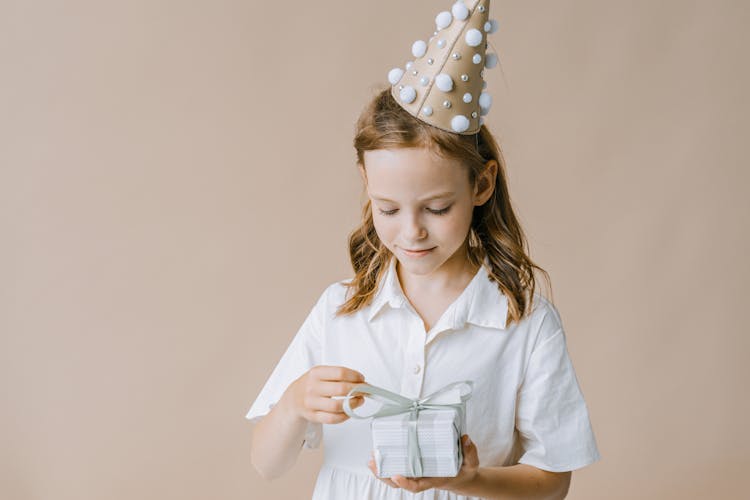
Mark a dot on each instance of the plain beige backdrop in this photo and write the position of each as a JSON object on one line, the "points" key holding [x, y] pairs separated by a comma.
{"points": [[177, 184]]}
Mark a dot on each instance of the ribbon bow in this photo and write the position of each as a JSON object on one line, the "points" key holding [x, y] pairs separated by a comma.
{"points": [[394, 404]]}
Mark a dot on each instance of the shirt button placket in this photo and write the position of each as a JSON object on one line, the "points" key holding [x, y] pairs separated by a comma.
{"points": [[418, 356], [411, 385]]}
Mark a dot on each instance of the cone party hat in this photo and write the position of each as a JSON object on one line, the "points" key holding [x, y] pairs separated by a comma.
{"points": [[444, 85]]}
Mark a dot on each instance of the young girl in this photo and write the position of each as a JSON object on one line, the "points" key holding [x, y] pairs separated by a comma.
{"points": [[443, 291]]}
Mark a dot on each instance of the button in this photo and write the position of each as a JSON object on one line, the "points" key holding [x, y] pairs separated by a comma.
{"points": [[417, 368]]}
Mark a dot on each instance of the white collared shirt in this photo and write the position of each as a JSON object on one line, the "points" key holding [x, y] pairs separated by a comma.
{"points": [[526, 406]]}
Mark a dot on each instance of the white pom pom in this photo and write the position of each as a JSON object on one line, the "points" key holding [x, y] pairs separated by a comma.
{"points": [[467, 98], [409, 65], [394, 75], [481, 121], [419, 48], [441, 43], [408, 94], [460, 123], [460, 11], [485, 103], [473, 37], [443, 20], [485, 100], [490, 61], [491, 26], [427, 111], [444, 82], [477, 58]]}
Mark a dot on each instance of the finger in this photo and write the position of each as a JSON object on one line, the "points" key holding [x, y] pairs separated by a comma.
{"points": [[355, 402], [337, 405], [405, 483], [326, 404], [321, 403], [325, 417], [389, 482], [328, 388], [374, 469], [339, 373], [471, 457]]}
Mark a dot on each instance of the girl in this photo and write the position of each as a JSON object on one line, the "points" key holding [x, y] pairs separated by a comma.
{"points": [[443, 291]]}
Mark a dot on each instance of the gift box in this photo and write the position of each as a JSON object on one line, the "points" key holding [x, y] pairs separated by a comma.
{"points": [[417, 438]]}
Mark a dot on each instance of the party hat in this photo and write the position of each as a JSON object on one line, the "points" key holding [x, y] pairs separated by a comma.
{"points": [[444, 85]]}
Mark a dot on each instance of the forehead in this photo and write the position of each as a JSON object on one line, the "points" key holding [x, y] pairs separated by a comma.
{"points": [[412, 173]]}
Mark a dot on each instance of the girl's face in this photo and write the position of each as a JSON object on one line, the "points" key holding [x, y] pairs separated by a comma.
{"points": [[422, 206]]}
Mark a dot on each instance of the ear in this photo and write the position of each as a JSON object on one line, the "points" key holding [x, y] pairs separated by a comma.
{"points": [[485, 184]]}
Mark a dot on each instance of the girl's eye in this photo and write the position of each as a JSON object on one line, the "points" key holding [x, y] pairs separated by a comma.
{"points": [[441, 211]]}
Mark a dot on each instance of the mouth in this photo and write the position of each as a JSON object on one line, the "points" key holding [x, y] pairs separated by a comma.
{"points": [[417, 253]]}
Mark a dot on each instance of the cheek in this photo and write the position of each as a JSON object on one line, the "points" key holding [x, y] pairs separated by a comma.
{"points": [[457, 226], [453, 228], [383, 227]]}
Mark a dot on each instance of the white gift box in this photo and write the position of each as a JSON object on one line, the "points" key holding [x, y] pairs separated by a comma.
{"points": [[439, 443], [416, 437]]}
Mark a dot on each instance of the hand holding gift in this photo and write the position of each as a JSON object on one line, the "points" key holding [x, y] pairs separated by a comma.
{"points": [[465, 475], [417, 438]]}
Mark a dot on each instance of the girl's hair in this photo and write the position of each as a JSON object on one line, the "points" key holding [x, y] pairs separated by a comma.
{"points": [[495, 231]]}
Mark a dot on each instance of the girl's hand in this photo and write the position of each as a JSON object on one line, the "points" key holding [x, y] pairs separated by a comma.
{"points": [[466, 474], [310, 395]]}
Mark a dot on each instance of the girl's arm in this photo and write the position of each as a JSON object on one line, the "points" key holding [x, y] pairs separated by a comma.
{"points": [[277, 440], [517, 481], [278, 436]]}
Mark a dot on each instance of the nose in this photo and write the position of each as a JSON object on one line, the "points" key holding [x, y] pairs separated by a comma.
{"points": [[414, 229]]}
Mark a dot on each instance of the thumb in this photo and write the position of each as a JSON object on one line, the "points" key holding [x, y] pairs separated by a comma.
{"points": [[471, 458]]}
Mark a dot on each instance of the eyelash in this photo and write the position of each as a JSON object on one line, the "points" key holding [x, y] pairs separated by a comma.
{"points": [[442, 211]]}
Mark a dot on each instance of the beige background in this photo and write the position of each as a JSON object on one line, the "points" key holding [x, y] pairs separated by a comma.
{"points": [[177, 182]]}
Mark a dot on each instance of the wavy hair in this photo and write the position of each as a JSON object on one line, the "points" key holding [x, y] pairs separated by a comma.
{"points": [[495, 231]]}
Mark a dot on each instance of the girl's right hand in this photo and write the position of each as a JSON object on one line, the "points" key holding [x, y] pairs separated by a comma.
{"points": [[310, 395]]}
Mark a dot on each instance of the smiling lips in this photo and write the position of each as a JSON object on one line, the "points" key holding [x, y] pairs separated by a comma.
{"points": [[417, 253]]}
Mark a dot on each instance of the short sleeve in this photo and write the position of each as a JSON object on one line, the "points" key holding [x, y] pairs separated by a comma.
{"points": [[552, 418], [304, 352]]}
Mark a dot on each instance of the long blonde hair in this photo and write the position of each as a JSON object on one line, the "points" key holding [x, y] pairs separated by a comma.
{"points": [[495, 232]]}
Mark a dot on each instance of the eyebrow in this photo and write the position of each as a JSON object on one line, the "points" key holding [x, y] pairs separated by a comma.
{"points": [[433, 197]]}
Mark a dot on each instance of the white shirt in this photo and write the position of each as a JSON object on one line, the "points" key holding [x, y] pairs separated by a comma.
{"points": [[526, 406]]}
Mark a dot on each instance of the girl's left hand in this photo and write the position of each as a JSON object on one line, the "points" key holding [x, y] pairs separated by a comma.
{"points": [[466, 474]]}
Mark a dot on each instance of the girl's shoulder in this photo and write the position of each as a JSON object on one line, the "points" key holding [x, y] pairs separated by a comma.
{"points": [[543, 317], [541, 305], [335, 292], [334, 295]]}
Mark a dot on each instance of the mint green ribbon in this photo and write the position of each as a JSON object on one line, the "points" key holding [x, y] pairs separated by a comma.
{"points": [[394, 404]]}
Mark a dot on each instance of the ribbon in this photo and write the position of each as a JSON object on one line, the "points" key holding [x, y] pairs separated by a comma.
{"points": [[394, 404]]}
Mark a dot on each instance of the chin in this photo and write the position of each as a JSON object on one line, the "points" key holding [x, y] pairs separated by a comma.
{"points": [[421, 266], [416, 269]]}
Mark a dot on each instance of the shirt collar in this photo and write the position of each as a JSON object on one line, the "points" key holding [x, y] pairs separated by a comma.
{"points": [[481, 303]]}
